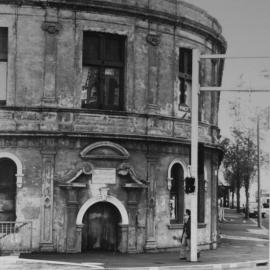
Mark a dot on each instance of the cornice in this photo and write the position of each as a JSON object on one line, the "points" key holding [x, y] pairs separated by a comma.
{"points": [[107, 136], [135, 11]]}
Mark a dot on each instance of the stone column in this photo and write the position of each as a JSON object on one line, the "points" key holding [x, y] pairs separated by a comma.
{"points": [[72, 211], [46, 238], [51, 28], [151, 204]]}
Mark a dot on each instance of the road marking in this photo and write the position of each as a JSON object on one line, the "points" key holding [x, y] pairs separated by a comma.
{"points": [[92, 265]]}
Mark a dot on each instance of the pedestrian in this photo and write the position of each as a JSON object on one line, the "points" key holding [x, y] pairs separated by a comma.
{"points": [[185, 238]]}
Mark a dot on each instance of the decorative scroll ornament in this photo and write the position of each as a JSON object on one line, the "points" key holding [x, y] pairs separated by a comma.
{"points": [[51, 27], [125, 169], [153, 39], [71, 178]]}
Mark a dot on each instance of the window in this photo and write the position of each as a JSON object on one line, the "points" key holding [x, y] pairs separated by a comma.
{"points": [[185, 73], [177, 195], [3, 64], [201, 184], [103, 71], [8, 172]]}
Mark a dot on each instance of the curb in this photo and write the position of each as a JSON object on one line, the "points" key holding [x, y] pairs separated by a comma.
{"points": [[98, 266], [226, 266]]}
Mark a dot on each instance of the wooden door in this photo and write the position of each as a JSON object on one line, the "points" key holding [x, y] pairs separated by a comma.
{"points": [[101, 227]]}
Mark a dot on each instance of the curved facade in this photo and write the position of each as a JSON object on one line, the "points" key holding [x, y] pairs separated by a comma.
{"points": [[95, 107]]}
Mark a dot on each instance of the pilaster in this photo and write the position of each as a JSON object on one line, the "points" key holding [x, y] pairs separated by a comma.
{"points": [[51, 28], [46, 239], [72, 211], [151, 204], [214, 185], [153, 40]]}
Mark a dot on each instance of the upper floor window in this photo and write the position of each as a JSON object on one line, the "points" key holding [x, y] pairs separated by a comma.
{"points": [[185, 73], [103, 71], [3, 64]]}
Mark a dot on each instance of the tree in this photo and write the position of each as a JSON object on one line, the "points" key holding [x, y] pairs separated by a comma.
{"points": [[240, 163]]}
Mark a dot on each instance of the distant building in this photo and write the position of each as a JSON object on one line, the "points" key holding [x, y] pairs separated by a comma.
{"points": [[95, 124]]}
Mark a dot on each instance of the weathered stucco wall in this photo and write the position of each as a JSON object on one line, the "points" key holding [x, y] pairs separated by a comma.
{"points": [[44, 125]]}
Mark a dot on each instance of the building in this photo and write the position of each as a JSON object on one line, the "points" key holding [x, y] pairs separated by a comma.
{"points": [[95, 124]]}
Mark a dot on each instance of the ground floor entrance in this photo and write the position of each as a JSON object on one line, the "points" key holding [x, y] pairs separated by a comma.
{"points": [[101, 227]]}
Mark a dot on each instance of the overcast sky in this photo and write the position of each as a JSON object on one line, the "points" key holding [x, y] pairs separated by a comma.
{"points": [[246, 28]]}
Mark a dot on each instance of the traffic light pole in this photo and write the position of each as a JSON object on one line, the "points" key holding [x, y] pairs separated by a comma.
{"points": [[194, 153], [196, 88]]}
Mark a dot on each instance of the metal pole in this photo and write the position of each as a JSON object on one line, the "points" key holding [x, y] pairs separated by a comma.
{"points": [[194, 153], [258, 164]]}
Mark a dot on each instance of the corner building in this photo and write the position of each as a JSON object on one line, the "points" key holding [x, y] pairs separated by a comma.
{"points": [[95, 131]]}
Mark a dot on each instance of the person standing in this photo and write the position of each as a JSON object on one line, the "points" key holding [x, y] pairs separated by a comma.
{"points": [[185, 238], [186, 234]]}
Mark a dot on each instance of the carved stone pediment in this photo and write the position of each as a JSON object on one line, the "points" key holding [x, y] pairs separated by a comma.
{"points": [[105, 150], [71, 179], [133, 181]]}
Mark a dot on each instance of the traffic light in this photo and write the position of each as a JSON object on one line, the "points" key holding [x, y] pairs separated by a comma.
{"points": [[189, 184]]}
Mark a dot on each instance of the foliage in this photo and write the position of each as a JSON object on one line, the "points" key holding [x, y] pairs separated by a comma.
{"points": [[240, 162]]}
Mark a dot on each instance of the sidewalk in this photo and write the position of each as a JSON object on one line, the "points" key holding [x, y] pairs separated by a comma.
{"points": [[242, 245]]}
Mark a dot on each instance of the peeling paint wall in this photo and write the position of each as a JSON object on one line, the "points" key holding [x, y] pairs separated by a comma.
{"points": [[44, 125]]}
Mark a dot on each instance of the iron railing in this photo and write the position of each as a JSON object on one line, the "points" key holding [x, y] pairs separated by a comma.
{"points": [[15, 237]]}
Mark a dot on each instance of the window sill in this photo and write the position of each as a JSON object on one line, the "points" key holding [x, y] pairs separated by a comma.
{"points": [[175, 226], [181, 226]]}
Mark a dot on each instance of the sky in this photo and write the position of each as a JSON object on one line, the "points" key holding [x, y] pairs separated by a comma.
{"points": [[246, 28]]}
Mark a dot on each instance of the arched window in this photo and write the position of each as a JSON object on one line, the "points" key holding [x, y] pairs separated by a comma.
{"points": [[177, 194], [8, 171]]}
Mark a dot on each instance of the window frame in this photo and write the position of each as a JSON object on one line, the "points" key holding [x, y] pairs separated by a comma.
{"points": [[179, 193], [184, 72], [101, 63], [4, 59]]}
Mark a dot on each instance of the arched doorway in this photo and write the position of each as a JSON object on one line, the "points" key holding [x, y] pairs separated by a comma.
{"points": [[8, 173], [101, 227]]}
